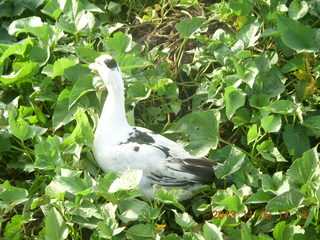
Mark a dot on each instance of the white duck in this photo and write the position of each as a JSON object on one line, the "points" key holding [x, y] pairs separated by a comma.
{"points": [[119, 146]]}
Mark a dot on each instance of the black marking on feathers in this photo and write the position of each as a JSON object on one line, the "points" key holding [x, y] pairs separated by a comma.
{"points": [[140, 138], [111, 63]]}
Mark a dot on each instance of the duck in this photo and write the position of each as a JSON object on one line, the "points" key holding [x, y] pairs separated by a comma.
{"points": [[118, 146]]}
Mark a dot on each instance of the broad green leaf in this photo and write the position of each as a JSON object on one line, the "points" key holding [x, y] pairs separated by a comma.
{"points": [[233, 203], [234, 99], [294, 64], [26, 71], [75, 73], [86, 54], [241, 117], [129, 179], [138, 91], [82, 134], [250, 33], [313, 125], [12, 195], [202, 127], [297, 36], [47, 153], [18, 48], [188, 26], [305, 168], [120, 43], [212, 232], [296, 140], [282, 107], [170, 196], [55, 227], [62, 114], [23, 23], [242, 7], [252, 133], [287, 201], [80, 88], [109, 228], [13, 230], [271, 123], [259, 101], [231, 164], [128, 62], [74, 185], [5, 143], [246, 232], [54, 8], [61, 65], [269, 152], [141, 231], [276, 184], [184, 220], [259, 197], [282, 231], [298, 9]]}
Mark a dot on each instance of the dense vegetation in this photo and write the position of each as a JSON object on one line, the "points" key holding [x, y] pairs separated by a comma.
{"points": [[236, 81]]}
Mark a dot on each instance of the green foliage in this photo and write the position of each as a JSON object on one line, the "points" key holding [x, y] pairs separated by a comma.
{"points": [[236, 81]]}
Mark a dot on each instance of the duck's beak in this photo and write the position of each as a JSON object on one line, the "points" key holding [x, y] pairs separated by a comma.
{"points": [[94, 66]]}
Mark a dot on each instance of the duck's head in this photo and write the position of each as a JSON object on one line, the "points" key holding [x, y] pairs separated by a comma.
{"points": [[109, 71]]}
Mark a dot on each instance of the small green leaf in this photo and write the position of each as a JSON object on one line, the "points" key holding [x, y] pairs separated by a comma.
{"points": [[13, 230], [231, 164], [298, 9], [128, 62], [234, 99], [184, 220], [80, 88], [242, 7], [12, 195], [26, 71], [109, 228], [60, 65], [55, 226], [305, 168], [23, 23], [285, 202], [282, 107], [188, 26], [269, 152], [120, 43], [296, 140], [141, 231], [233, 203], [259, 101], [271, 123], [82, 134], [297, 36], [313, 124], [212, 232], [276, 184], [259, 197], [252, 133], [250, 33], [129, 179]]}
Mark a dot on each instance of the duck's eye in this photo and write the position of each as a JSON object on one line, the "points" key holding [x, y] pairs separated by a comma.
{"points": [[111, 63]]}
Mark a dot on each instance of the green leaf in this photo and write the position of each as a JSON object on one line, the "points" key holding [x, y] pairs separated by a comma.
{"points": [[252, 133], [285, 202], [5, 143], [271, 123], [234, 99], [296, 140], [18, 48], [133, 210], [60, 65], [80, 88], [294, 64], [47, 153], [297, 36], [86, 54], [120, 43], [129, 179], [53, 8], [13, 230], [24, 23], [212, 232], [305, 168], [250, 33], [276, 184], [233, 203], [282, 231], [128, 62], [62, 114], [242, 7], [282, 107], [202, 127], [246, 232], [269, 152], [55, 227], [184, 220], [12, 195], [140, 231], [313, 124], [231, 164], [259, 197], [298, 9], [259, 101], [82, 134], [188, 26], [26, 71], [109, 228]]}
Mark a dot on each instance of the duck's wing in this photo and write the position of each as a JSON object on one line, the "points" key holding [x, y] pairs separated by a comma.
{"points": [[169, 164]]}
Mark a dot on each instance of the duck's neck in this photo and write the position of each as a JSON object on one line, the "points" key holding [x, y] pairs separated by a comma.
{"points": [[113, 116]]}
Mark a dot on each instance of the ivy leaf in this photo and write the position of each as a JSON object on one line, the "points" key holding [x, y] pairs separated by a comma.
{"points": [[188, 26], [234, 99]]}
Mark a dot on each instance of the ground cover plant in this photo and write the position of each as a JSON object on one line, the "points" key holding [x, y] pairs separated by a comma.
{"points": [[236, 81]]}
